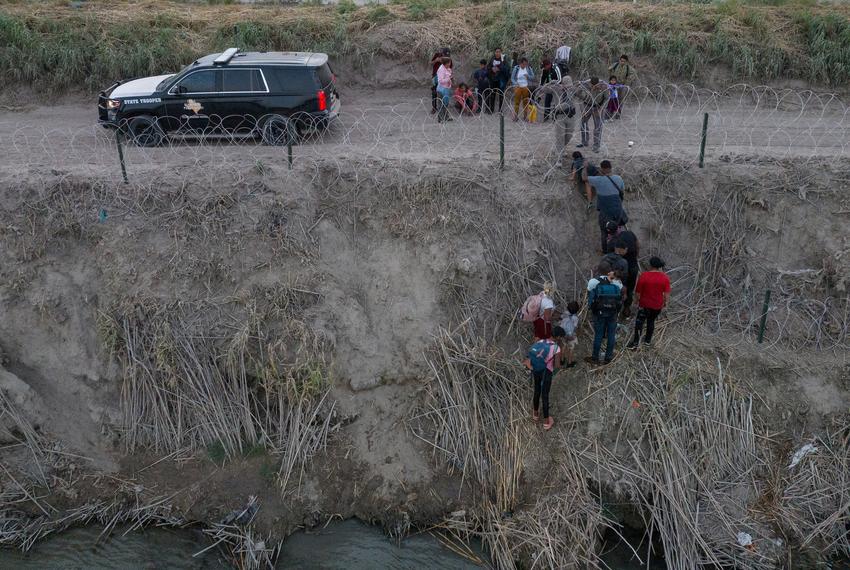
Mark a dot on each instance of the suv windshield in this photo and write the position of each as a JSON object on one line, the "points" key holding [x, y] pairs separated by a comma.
{"points": [[165, 82]]}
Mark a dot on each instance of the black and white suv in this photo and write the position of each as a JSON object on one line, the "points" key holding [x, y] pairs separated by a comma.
{"points": [[274, 95]]}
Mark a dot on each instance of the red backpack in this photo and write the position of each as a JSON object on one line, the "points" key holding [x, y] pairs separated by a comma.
{"points": [[530, 310]]}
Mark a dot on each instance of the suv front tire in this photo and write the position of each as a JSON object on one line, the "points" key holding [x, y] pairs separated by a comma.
{"points": [[145, 131]]}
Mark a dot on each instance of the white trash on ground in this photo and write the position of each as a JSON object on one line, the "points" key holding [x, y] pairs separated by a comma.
{"points": [[801, 453]]}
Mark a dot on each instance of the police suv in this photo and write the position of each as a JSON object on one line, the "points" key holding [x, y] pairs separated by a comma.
{"points": [[272, 95]]}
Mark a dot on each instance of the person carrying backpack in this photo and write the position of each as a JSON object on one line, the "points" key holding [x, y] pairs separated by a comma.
{"points": [[610, 191], [605, 298], [562, 60], [544, 361], [539, 309]]}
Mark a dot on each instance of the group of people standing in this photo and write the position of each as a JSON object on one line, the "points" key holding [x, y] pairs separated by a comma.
{"points": [[489, 83], [617, 283]]}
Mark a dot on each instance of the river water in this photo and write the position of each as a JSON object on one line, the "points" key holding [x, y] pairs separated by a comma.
{"points": [[348, 545]]}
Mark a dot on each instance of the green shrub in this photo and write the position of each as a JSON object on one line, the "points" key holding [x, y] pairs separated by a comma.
{"points": [[379, 14], [679, 56], [346, 7], [828, 42], [644, 42]]}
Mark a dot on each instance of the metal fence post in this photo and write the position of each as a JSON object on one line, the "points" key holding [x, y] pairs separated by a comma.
{"points": [[501, 140], [118, 142], [289, 152], [764, 309], [702, 140]]}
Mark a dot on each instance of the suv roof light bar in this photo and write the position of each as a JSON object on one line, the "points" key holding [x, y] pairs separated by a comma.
{"points": [[226, 56]]}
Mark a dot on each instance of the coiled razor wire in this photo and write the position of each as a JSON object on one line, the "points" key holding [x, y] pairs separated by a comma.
{"points": [[657, 125]]}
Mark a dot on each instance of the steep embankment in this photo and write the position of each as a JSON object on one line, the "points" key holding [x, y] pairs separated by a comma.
{"points": [[211, 340], [57, 47]]}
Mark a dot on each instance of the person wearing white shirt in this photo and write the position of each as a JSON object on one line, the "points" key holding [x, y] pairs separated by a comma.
{"points": [[522, 77]]}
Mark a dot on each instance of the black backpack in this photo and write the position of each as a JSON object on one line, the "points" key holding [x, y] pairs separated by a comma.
{"points": [[607, 300], [563, 66]]}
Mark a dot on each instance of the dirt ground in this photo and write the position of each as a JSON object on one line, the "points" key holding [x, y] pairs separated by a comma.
{"points": [[663, 123], [399, 227]]}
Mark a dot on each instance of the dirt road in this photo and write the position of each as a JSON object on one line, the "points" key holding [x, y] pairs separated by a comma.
{"points": [[397, 125]]}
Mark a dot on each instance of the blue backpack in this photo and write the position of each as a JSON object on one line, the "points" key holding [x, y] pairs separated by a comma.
{"points": [[607, 299], [540, 354]]}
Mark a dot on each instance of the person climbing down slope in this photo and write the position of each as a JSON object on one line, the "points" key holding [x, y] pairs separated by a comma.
{"points": [[627, 246], [652, 292], [609, 189], [569, 322], [540, 310], [604, 300], [544, 361]]}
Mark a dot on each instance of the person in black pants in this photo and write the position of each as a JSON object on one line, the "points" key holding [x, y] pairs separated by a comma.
{"points": [[549, 358], [499, 73], [653, 292], [548, 74], [627, 246]]}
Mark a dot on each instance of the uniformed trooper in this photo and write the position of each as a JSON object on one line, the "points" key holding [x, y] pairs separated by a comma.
{"points": [[563, 115]]}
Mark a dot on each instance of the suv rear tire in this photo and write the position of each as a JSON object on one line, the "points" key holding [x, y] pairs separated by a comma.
{"points": [[145, 131], [278, 130]]}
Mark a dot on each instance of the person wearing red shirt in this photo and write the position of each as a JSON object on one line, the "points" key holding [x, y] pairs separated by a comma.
{"points": [[652, 292]]}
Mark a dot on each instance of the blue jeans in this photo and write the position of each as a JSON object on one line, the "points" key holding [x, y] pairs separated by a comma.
{"points": [[603, 326], [446, 94]]}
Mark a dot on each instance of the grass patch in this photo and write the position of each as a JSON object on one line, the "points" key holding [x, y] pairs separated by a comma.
{"points": [[88, 48], [379, 14], [828, 41]]}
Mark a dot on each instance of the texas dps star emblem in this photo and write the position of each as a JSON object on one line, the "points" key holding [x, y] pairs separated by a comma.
{"points": [[192, 105]]}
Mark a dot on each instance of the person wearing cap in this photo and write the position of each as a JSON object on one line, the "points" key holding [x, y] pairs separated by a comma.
{"points": [[612, 231], [652, 292], [543, 324], [436, 62]]}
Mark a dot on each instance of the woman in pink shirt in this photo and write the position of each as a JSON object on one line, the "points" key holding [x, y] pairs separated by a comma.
{"points": [[444, 88]]}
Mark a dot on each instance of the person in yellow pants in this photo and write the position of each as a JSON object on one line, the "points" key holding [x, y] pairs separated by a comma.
{"points": [[522, 77]]}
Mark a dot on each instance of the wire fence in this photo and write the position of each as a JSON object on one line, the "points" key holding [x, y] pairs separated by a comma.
{"points": [[656, 125]]}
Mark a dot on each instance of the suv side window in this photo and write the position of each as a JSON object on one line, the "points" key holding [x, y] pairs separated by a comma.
{"points": [[242, 80], [292, 80], [326, 76], [199, 82]]}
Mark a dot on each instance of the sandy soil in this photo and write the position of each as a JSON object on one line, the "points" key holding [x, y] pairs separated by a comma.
{"points": [[663, 123]]}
